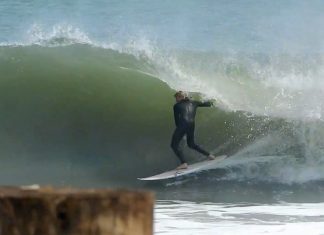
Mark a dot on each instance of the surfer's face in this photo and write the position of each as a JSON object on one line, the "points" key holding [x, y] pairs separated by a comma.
{"points": [[179, 98]]}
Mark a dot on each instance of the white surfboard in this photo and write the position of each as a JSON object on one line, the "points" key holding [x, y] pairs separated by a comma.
{"points": [[196, 167]]}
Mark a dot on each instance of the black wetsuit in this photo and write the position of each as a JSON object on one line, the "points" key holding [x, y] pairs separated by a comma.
{"points": [[184, 117]]}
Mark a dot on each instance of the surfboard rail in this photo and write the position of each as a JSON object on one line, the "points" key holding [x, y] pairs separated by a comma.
{"points": [[196, 167]]}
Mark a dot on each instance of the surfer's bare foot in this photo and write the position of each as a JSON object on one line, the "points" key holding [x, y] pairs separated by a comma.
{"points": [[211, 157], [182, 166]]}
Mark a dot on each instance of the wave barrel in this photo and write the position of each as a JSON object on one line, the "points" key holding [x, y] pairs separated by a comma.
{"points": [[65, 211]]}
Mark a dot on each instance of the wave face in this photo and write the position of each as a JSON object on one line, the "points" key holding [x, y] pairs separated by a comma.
{"points": [[85, 111], [93, 107], [85, 99]]}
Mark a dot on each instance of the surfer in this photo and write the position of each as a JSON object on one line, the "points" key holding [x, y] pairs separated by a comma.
{"points": [[184, 117]]}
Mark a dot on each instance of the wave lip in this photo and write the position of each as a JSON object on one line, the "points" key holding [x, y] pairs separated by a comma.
{"points": [[56, 36], [60, 35], [286, 86]]}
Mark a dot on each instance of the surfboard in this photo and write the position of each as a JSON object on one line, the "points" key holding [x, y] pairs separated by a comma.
{"points": [[196, 167]]}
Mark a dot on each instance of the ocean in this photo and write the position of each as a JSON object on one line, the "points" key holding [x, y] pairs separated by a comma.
{"points": [[86, 96]]}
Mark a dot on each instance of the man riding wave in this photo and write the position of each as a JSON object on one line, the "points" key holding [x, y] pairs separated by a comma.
{"points": [[184, 117]]}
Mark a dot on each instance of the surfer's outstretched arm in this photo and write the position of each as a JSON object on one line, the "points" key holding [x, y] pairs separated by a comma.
{"points": [[204, 104]]}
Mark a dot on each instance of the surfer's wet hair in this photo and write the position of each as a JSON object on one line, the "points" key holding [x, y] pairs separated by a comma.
{"points": [[181, 94]]}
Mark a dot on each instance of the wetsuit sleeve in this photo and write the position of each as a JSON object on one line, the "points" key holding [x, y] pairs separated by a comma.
{"points": [[176, 115], [204, 104]]}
